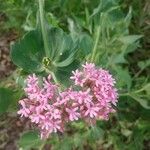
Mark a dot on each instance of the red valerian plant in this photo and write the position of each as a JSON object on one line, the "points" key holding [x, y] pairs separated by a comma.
{"points": [[91, 97]]}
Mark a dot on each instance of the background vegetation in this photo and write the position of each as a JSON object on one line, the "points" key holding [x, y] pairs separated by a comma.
{"points": [[121, 29]]}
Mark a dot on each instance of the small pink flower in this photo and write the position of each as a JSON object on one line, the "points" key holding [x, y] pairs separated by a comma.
{"points": [[77, 77], [24, 112], [92, 111], [73, 114], [84, 97], [89, 66], [55, 125], [36, 118]]}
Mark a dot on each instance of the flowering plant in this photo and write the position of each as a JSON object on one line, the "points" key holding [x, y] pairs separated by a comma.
{"points": [[50, 109], [65, 77], [92, 96]]}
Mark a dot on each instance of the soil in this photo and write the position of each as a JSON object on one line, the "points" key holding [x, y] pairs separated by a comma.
{"points": [[11, 127], [10, 124], [6, 65]]}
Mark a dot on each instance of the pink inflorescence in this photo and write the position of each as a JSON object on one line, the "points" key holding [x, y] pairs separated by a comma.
{"points": [[39, 105], [99, 84], [50, 110]]}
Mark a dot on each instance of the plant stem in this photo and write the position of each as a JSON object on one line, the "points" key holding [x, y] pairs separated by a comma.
{"points": [[43, 144], [135, 92], [96, 44], [54, 77], [44, 34]]}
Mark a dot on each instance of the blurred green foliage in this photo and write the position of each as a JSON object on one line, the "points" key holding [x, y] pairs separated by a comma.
{"points": [[106, 27]]}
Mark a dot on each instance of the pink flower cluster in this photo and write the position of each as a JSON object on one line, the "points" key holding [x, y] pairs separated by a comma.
{"points": [[50, 110]]}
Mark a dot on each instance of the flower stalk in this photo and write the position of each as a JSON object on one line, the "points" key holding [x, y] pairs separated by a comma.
{"points": [[96, 44], [43, 29]]}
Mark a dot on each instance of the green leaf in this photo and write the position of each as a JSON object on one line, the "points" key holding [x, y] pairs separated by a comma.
{"points": [[129, 39], [9, 99], [5, 99], [63, 73], [63, 52], [30, 140], [144, 64], [95, 133], [51, 19], [78, 141], [86, 44], [62, 46], [28, 52], [123, 77], [65, 143], [128, 18], [143, 102], [67, 61], [68, 56], [106, 14], [56, 42], [17, 95], [126, 132], [119, 58], [143, 125], [147, 88], [103, 6]]}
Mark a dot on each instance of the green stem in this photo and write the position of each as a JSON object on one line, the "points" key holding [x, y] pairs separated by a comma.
{"points": [[44, 34], [96, 44], [54, 78], [124, 94], [53, 75], [42, 146], [135, 92]]}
